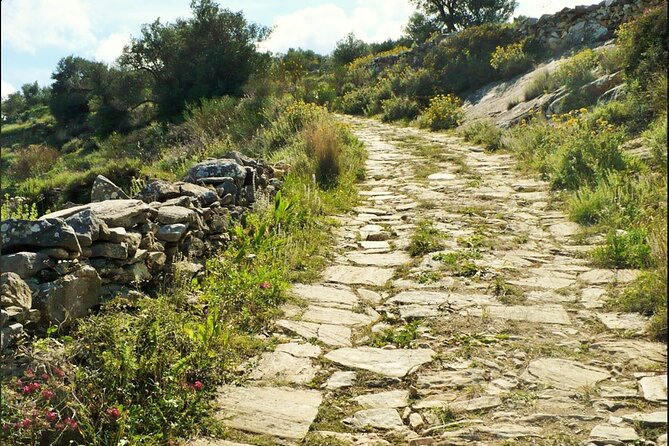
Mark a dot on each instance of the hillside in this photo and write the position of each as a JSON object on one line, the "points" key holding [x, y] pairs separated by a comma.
{"points": [[452, 238]]}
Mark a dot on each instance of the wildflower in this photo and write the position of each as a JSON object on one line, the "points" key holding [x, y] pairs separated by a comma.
{"points": [[51, 416], [58, 372], [29, 372], [25, 423], [35, 386], [45, 377], [60, 426], [113, 412], [47, 394], [27, 390], [197, 385], [265, 285], [6, 427]]}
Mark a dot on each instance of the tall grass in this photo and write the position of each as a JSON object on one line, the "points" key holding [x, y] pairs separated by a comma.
{"points": [[323, 146]]}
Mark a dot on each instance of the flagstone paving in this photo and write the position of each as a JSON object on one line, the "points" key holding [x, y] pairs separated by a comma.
{"points": [[390, 349]]}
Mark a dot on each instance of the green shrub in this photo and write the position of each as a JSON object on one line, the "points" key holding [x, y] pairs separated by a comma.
{"points": [[656, 136], [542, 82], [643, 45], [485, 133], [577, 71], [426, 238], [399, 107], [628, 249], [355, 102], [461, 62], [511, 60], [444, 112]]}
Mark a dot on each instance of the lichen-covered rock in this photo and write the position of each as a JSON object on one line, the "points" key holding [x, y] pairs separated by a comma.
{"points": [[159, 190], [115, 213], [14, 292], [217, 168], [204, 195], [69, 297], [86, 225], [168, 215], [21, 235], [104, 189]]}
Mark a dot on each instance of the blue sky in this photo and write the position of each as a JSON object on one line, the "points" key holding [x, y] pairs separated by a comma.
{"points": [[36, 34]]}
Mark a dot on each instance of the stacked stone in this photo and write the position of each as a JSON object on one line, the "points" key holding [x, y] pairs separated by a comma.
{"points": [[583, 24], [57, 268]]}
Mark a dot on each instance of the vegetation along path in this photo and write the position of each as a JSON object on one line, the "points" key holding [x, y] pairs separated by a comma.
{"points": [[460, 309]]}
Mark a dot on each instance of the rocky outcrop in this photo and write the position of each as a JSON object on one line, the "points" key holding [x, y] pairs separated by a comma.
{"points": [[583, 25], [57, 268]]}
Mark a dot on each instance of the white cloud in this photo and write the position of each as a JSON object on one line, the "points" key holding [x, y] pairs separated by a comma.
{"points": [[31, 24], [536, 8], [6, 88], [319, 28], [111, 47]]}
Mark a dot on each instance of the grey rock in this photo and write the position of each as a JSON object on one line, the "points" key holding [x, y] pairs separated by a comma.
{"points": [[276, 411], [25, 264], [654, 388], [563, 373], [172, 233], [110, 250], [86, 225], [393, 363], [69, 297], [168, 215], [104, 189], [340, 380], [159, 190], [58, 253], [14, 292], [384, 400], [204, 195], [385, 419], [605, 433], [354, 275], [10, 334], [217, 168], [115, 213], [18, 235]]}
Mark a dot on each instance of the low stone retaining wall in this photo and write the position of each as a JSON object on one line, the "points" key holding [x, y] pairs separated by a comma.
{"points": [[57, 268]]}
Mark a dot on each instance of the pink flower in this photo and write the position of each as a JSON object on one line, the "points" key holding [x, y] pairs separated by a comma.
{"points": [[47, 394], [58, 372], [27, 390], [51, 416], [60, 426], [113, 412], [265, 285], [25, 423], [6, 427], [45, 377], [74, 425], [197, 385], [35, 386]]}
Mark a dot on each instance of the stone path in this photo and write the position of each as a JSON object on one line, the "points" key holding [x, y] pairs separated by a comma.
{"points": [[394, 350]]}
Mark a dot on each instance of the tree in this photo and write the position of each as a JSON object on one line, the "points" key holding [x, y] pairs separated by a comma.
{"points": [[348, 49], [459, 14], [209, 55], [73, 86], [13, 106], [421, 27]]}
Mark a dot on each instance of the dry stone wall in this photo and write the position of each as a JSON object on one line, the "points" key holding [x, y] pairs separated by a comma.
{"points": [[55, 269]]}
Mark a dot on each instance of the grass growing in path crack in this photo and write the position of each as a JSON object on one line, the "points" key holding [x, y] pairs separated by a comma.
{"points": [[426, 239]]}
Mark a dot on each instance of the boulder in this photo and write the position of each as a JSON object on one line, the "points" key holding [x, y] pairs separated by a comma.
{"points": [[217, 168], [171, 233], [86, 225], [104, 189], [20, 235], [159, 190], [115, 213], [69, 297], [25, 264], [14, 292]]}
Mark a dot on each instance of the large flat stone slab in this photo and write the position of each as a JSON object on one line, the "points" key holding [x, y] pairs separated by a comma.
{"points": [[332, 335], [642, 354], [276, 411], [395, 258], [604, 433], [623, 321], [336, 316], [384, 419], [545, 283], [384, 400], [542, 314], [563, 373], [654, 388], [394, 363], [439, 298], [356, 275], [326, 296], [289, 363]]}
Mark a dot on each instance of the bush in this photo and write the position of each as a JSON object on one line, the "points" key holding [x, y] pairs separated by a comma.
{"points": [[577, 71], [541, 83], [628, 249], [485, 133], [643, 46], [511, 60], [322, 145], [355, 102], [399, 107], [444, 112], [35, 160]]}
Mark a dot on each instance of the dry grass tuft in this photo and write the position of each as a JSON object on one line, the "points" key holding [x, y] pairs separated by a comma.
{"points": [[323, 146]]}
